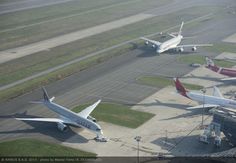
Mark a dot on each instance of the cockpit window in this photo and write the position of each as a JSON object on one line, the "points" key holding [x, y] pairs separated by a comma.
{"points": [[98, 129]]}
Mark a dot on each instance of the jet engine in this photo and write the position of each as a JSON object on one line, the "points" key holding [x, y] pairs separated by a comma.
{"points": [[61, 126], [181, 49], [146, 43], [91, 118], [194, 48], [153, 46]]}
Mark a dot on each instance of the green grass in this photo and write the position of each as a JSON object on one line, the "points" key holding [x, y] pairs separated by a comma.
{"points": [[118, 114], [222, 47], [33, 147], [161, 82], [201, 60]]}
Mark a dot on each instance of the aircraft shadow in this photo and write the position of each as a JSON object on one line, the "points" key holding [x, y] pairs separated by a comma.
{"points": [[192, 113], [188, 144], [223, 83], [45, 128], [147, 52]]}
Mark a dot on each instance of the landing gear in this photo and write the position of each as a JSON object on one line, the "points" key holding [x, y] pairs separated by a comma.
{"points": [[101, 138]]}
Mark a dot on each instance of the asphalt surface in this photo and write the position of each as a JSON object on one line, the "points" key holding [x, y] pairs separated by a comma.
{"points": [[114, 80], [27, 4], [88, 56]]}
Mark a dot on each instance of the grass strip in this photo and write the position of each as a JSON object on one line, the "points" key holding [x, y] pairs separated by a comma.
{"points": [[34, 147], [118, 114], [61, 73]]}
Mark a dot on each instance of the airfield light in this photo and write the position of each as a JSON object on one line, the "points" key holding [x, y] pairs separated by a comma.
{"points": [[203, 108], [138, 139]]}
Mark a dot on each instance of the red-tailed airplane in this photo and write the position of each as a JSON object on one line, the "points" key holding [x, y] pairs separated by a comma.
{"points": [[209, 101], [230, 72]]}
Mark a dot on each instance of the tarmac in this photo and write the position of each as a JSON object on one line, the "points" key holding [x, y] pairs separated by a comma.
{"points": [[173, 130], [115, 81]]}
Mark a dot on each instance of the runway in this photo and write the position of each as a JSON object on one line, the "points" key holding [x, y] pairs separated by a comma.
{"points": [[14, 53]]}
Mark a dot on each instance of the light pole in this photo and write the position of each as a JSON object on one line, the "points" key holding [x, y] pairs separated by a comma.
{"points": [[138, 139], [203, 108]]}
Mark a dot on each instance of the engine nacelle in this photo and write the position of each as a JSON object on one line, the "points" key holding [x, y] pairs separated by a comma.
{"points": [[91, 118], [146, 43], [61, 126], [194, 48], [181, 49], [153, 46]]}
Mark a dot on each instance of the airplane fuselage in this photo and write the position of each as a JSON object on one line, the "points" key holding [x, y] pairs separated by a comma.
{"points": [[207, 99], [73, 117], [169, 44], [224, 71]]}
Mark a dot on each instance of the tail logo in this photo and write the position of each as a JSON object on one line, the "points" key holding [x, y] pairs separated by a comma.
{"points": [[180, 88]]}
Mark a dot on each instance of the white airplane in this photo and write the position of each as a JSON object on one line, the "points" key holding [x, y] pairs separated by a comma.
{"points": [[216, 100], [172, 43], [67, 117]]}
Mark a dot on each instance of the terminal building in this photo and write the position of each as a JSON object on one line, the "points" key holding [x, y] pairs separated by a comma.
{"points": [[223, 121]]}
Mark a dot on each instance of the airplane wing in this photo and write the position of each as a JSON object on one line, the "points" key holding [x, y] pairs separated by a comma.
{"points": [[55, 120], [229, 79], [151, 41], [201, 106], [192, 45], [85, 113], [172, 34]]}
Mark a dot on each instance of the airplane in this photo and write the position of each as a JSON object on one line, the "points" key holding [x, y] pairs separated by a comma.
{"points": [[214, 101], [67, 117], [230, 72], [172, 43]]}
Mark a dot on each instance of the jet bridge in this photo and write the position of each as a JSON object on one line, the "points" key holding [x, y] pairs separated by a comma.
{"points": [[224, 120]]}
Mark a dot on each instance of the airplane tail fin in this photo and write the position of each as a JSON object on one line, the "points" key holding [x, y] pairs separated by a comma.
{"points": [[45, 98], [180, 29], [180, 88], [211, 65], [45, 94]]}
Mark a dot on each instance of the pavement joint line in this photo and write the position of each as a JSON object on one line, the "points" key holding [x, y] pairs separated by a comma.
{"points": [[88, 56]]}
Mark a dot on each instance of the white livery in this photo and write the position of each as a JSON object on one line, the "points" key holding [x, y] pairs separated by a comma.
{"points": [[172, 43], [216, 100], [67, 117]]}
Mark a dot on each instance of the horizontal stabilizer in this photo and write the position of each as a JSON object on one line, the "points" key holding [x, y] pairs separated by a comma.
{"points": [[208, 106], [151, 41], [172, 35]]}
